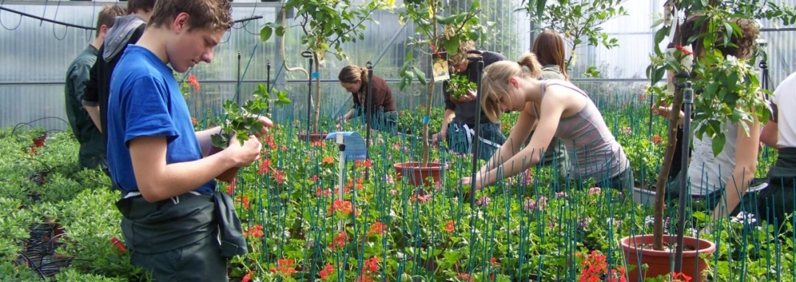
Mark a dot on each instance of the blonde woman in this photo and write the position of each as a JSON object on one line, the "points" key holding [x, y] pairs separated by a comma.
{"points": [[558, 109]]}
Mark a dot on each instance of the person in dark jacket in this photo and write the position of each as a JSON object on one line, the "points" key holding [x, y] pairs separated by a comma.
{"points": [[458, 122], [91, 154], [126, 30], [355, 80]]}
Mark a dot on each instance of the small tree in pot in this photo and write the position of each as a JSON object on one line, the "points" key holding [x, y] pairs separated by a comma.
{"points": [[435, 31], [729, 94]]}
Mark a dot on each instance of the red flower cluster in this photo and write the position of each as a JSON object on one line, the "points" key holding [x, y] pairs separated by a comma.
{"points": [[243, 200], [255, 231], [365, 164], [327, 271], [680, 277], [377, 228], [450, 227], [193, 82], [265, 167], [248, 276], [339, 241], [342, 206], [683, 49], [594, 265], [284, 267]]}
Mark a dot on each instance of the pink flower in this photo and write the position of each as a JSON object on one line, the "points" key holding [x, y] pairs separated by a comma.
{"points": [[594, 190]]}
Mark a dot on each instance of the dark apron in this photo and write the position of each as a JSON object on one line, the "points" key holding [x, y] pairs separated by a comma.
{"points": [[779, 199], [151, 228]]}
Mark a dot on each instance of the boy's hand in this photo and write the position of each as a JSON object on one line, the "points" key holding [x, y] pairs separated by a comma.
{"points": [[246, 154]]}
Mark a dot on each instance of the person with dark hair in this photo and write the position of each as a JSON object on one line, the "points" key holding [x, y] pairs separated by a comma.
{"points": [[174, 220], [355, 80], [126, 30], [458, 121], [722, 181], [550, 51], [92, 153], [557, 108]]}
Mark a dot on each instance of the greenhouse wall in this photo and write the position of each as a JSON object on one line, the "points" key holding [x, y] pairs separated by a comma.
{"points": [[36, 54]]}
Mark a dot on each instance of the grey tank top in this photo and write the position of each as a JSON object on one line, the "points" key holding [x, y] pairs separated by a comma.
{"points": [[593, 150]]}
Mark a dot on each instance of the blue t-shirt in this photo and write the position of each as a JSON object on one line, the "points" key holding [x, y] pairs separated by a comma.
{"points": [[145, 100]]}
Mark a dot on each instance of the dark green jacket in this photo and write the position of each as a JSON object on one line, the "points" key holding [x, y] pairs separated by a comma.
{"points": [[92, 150]]}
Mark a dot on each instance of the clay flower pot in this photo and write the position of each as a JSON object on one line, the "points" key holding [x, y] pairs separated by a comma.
{"points": [[417, 174], [313, 136], [229, 174], [39, 141], [661, 262]]}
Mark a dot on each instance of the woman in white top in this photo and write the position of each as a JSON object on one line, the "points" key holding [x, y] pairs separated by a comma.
{"points": [[722, 181]]}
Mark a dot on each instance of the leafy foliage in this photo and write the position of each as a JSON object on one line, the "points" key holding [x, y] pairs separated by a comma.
{"points": [[243, 122], [577, 20]]}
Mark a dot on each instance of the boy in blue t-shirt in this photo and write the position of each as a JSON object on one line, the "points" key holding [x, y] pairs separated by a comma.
{"points": [[172, 215]]}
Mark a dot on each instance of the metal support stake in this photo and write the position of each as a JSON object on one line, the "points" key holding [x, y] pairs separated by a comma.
{"points": [[341, 173], [308, 54], [688, 101], [476, 139], [268, 85], [368, 114], [479, 67]]}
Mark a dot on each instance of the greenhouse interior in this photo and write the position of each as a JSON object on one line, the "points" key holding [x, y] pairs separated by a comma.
{"points": [[383, 140]]}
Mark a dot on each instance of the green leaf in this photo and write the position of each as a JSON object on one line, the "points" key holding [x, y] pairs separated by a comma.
{"points": [[718, 143], [452, 47], [265, 33], [421, 76], [660, 34]]}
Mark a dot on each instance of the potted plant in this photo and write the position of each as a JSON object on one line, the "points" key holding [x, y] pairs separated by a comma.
{"points": [[242, 121], [326, 25], [459, 85], [716, 76], [434, 30]]}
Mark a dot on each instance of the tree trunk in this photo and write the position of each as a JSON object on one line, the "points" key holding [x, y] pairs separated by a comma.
{"points": [[660, 192], [424, 161]]}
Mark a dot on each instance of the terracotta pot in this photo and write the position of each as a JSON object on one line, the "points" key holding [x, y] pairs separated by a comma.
{"points": [[418, 174], [660, 262], [313, 136], [228, 175], [39, 141]]}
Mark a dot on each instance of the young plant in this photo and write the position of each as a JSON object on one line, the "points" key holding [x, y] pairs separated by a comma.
{"points": [[243, 121], [459, 85]]}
